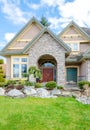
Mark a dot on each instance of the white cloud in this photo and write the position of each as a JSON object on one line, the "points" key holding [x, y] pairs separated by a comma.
{"points": [[9, 36], [76, 10], [52, 2], [13, 12]]}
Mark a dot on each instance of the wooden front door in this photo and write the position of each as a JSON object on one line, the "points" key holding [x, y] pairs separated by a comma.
{"points": [[47, 74]]}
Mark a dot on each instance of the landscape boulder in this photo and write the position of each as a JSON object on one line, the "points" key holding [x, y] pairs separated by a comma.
{"points": [[15, 93], [29, 91], [2, 92]]}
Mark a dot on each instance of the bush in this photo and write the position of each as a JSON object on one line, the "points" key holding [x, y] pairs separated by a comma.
{"points": [[2, 79], [60, 87], [51, 84], [1, 61], [38, 85], [27, 83], [22, 82], [2, 84], [11, 82], [82, 83]]}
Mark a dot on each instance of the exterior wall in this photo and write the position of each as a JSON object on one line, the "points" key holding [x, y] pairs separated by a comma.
{"points": [[85, 70], [47, 45], [88, 70], [34, 30], [8, 67], [72, 38], [84, 47], [25, 37]]}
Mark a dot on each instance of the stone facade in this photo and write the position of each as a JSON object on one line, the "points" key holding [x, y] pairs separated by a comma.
{"points": [[46, 45]]}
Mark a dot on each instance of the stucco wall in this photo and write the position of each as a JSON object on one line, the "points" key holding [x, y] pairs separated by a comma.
{"points": [[47, 45], [8, 67]]}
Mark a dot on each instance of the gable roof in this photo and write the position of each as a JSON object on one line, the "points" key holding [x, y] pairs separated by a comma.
{"points": [[82, 30], [33, 19], [87, 30], [67, 48], [45, 29]]}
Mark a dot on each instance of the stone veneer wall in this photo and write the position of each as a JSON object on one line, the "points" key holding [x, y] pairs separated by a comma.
{"points": [[47, 45], [85, 69], [88, 70], [8, 67]]}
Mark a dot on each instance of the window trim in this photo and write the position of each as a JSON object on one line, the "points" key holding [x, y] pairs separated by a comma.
{"points": [[20, 63], [71, 45]]}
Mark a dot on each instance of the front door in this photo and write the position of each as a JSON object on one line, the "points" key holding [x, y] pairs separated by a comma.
{"points": [[72, 74], [47, 74]]}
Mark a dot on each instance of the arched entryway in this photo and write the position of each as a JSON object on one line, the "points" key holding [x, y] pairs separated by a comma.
{"points": [[48, 66]]}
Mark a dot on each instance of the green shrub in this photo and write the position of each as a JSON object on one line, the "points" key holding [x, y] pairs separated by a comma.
{"points": [[2, 84], [27, 83], [38, 85], [22, 82], [2, 79], [82, 83], [51, 84], [1, 61], [60, 87], [11, 82]]}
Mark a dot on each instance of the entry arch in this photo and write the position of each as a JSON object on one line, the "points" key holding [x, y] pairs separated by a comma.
{"points": [[48, 65]]}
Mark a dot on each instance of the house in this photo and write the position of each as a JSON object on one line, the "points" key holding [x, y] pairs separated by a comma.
{"points": [[63, 58]]}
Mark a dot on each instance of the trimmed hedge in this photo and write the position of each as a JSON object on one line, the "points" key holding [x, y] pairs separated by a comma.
{"points": [[38, 85], [50, 85]]}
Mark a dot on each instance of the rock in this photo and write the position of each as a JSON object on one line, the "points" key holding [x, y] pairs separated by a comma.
{"points": [[84, 99], [87, 92], [66, 93], [43, 93], [15, 93], [76, 94], [2, 92], [29, 91], [55, 92]]}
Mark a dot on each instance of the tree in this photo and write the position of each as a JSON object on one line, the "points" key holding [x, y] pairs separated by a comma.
{"points": [[2, 79], [1, 61], [44, 21]]}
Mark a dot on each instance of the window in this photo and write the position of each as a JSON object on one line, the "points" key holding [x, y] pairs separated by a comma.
{"points": [[19, 66], [24, 59], [16, 70], [23, 69], [15, 59], [74, 46]]}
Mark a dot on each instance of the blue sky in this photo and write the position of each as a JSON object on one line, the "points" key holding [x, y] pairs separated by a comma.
{"points": [[14, 14]]}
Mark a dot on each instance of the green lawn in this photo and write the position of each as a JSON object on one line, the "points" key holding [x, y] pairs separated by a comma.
{"points": [[43, 114]]}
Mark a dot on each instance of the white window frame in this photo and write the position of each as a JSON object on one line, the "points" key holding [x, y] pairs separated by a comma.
{"points": [[20, 63], [71, 45]]}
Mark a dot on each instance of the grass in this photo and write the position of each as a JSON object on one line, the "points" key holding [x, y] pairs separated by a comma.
{"points": [[43, 114]]}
